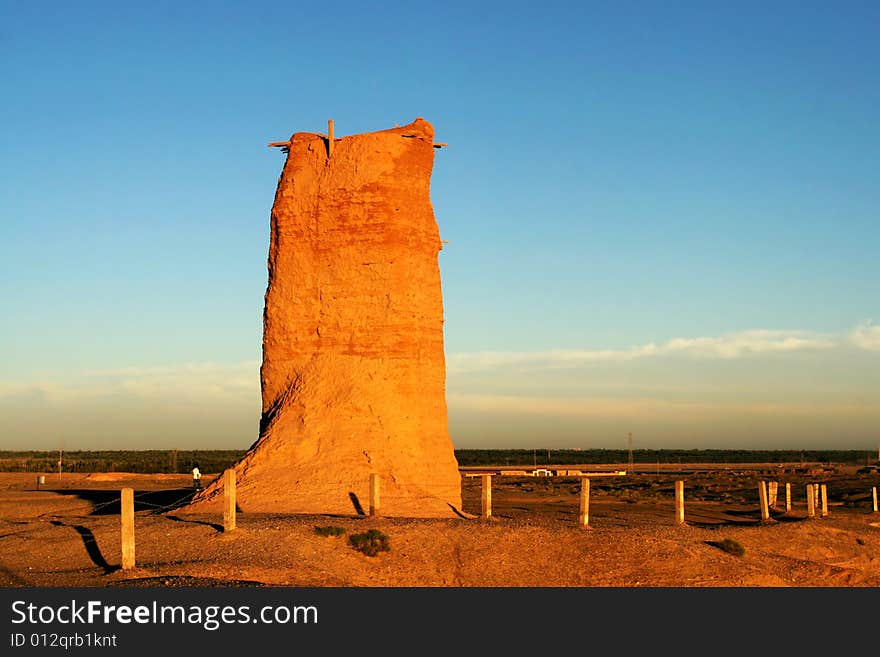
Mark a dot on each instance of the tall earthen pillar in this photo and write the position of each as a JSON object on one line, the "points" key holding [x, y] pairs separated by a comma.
{"points": [[353, 374]]}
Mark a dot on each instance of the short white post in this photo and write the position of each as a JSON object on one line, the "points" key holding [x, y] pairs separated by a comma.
{"points": [[811, 501], [772, 493], [815, 496], [486, 497], [874, 495], [374, 494], [787, 497], [229, 500], [584, 512], [127, 502], [679, 502], [824, 489], [762, 496]]}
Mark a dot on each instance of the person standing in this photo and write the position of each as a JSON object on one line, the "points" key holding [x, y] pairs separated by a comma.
{"points": [[197, 478]]}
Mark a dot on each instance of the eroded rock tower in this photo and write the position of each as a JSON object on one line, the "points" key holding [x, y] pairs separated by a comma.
{"points": [[353, 374]]}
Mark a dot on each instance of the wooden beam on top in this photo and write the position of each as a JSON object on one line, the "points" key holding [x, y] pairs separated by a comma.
{"points": [[329, 137], [440, 144]]}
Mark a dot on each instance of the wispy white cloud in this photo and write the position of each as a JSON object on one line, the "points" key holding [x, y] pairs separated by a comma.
{"points": [[745, 343], [729, 346], [647, 407], [866, 336], [187, 406], [185, 382]]}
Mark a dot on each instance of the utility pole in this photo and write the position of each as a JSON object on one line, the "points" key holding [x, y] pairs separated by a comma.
{"points": [[629, 443]]}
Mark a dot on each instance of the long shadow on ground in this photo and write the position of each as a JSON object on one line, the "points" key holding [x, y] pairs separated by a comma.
{"points": [[91, 545], [107, 502], [732, 517], [212, 525]]}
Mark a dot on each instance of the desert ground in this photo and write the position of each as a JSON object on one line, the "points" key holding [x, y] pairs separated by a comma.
{"points": [[66, 532]]}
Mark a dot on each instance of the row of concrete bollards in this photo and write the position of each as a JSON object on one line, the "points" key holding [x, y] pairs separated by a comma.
{"points": [[816, 495], [229, 512], [767, 494]]}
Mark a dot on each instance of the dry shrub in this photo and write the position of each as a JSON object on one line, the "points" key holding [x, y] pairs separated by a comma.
{"points": [[329, 530], [370, 543]]}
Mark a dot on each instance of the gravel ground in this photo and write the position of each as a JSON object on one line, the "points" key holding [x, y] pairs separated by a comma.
{"points": [[69, 536]]}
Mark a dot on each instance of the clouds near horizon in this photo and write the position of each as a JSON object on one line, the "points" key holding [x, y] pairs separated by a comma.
{"points": [[734, 386], [866, 336], [729, 346]]}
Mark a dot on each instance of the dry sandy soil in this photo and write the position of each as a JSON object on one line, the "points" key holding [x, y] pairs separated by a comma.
{"points": [[67, 534]]}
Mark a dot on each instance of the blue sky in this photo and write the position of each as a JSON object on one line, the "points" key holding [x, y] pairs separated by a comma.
{"points": [[660, 219]]}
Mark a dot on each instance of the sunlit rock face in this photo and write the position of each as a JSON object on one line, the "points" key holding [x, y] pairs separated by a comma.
{"points": [[353, 374]]}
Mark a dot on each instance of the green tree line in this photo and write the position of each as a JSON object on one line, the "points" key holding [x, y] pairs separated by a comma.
{"points": [[215, 461], [539, 456], [137, 461]]}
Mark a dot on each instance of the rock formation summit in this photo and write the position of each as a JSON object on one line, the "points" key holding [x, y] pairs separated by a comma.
{"points": [[353, 374]]}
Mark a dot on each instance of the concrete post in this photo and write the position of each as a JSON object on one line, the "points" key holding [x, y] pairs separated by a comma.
{"points": [[374, 494], [787, 497], [229, 500], [486, 497], [811, 501], [584, 513], [762, 496], [127, 503], [824, 500], [679, 502], [874, 495], [815, 496], [772, 493]]}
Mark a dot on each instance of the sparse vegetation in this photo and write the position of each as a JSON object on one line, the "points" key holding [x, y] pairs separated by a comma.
{"points": [[371, 542], [329, 530], [150, 461], [730, 546], [534, 457]]}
